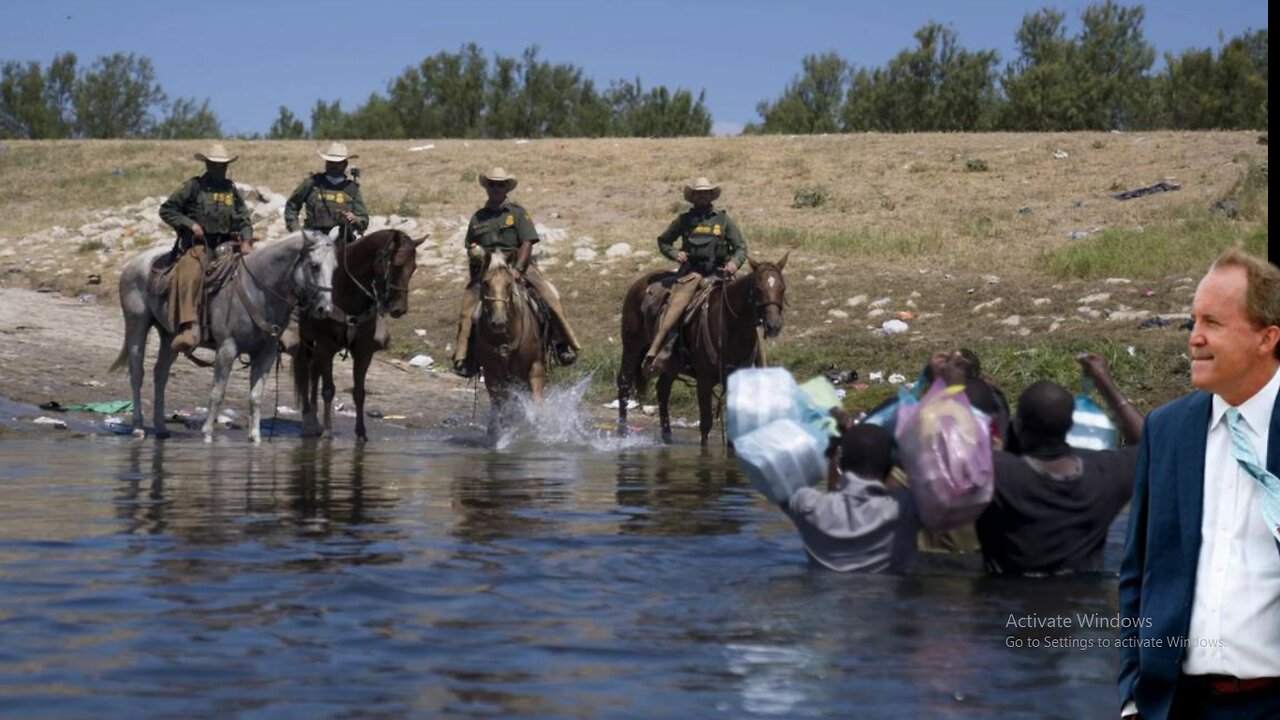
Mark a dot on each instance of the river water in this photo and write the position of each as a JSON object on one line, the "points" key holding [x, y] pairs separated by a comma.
{"points": [[563, 577]]}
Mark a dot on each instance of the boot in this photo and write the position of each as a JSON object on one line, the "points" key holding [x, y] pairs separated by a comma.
{"points": [[566, 354], [656, 363], [187, 339], [465, 366]]}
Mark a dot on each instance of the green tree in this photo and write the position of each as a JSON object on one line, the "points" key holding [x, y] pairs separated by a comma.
{"points": [[811, 102], [328, 121], [116, 97], [1040, 85], [1201, 91], [188, 120], [937, 85], [287, 126], [1112, 64], [375, 119], [36, 104]]}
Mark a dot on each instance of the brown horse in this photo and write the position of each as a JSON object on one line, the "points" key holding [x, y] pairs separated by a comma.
{"points": [[372, 278], [510, 343], [719, 338]]}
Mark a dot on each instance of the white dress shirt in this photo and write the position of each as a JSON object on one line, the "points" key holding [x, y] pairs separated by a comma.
{"points": [[1237, 592]]}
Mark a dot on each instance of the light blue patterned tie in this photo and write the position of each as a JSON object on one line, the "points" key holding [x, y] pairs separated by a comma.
{"points": [[1242, 450]]}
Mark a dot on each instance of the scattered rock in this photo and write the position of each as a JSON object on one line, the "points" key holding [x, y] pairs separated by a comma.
{"points": [[875, 313], [984, 306], [893, 327], [838, 314], [1127, 315], [1041, 301], [1012, 321], [1117, 281], [881, 302], [1094, 298], [617, 250], [856, 300], [584, 254], [422, 361]]}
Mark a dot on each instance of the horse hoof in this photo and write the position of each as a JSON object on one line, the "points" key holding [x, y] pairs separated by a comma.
{"points": [[163, 435], [208, 438], [139, 434], [666, 437]]}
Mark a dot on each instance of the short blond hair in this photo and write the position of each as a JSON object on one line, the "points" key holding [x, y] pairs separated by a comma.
{"points": [[1262, 295]]}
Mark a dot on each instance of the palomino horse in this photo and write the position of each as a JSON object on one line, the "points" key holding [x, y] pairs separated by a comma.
{"points": [[509, 341], [372, 278], [244, 316], [719, 338]]}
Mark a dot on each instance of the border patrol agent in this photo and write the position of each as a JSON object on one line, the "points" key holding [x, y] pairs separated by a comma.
{"points": [[332, 200], [505, 226], [206, 211], [710, 242]]}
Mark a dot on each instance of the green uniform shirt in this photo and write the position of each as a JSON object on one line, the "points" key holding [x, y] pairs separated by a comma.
{"points": [[710, 239], [325, 203], [505, 228], [215, 204]]}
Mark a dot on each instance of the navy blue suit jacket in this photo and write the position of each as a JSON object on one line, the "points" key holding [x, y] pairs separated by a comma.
{"points": [[1158, 574]]}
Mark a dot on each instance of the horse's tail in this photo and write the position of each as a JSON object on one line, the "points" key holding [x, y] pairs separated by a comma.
{"points": [[123, 358], [303, 358]]}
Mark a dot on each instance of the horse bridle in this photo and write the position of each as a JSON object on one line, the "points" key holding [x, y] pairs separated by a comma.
{"points": [[381, 297], [755, 297]]}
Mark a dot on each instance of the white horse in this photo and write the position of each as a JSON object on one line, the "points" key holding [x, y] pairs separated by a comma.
{"points": [[245, 316]]}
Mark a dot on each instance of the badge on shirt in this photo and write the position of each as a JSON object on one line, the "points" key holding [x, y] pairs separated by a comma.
{"points": [[339, 198], [715, 230], [223, 198], [511, 220]]}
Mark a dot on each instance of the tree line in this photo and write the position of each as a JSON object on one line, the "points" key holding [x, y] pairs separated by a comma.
{"points": [[447, 95], [1099, 78]]}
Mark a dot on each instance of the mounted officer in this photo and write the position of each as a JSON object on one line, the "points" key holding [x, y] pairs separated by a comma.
{"points": [[207, 211], [331, 200], [710, 244], [505, 226]]}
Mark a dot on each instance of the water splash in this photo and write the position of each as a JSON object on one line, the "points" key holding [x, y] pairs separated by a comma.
{"points": [[561, 420]]}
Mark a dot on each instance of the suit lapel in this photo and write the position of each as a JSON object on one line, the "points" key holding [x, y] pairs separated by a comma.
{"points": [[1191, 452]]}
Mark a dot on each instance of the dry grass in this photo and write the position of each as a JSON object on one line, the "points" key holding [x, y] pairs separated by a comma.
{"points": [[901, 215]]}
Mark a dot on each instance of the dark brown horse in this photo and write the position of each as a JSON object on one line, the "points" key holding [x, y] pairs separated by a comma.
{"points": [[372, 278], [510, 339], [719, 338]]}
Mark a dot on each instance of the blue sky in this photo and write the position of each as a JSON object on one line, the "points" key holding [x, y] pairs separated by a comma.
{"points": [[251, 57]]}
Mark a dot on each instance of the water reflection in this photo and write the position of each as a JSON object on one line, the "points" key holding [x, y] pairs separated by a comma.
{"points": [[675, 491], [327, 579]]}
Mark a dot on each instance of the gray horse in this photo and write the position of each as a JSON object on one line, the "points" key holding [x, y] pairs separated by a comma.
{"points": [[267, 279]]}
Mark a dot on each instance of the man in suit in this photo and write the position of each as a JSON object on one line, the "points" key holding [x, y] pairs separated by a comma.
{"points": [[1200, 581]]}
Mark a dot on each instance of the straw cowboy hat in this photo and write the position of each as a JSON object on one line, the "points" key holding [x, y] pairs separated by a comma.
{"points": [[500, 177], [701, 184], [336, 152], [217, 154]]}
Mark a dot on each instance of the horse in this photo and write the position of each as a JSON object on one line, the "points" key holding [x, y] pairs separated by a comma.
{"points": [[244, 315], [510, 344], [372, 278], [718, 338]]}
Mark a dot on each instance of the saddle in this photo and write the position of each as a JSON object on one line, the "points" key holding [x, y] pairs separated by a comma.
{"points": [[218, 271], [655, 301]]}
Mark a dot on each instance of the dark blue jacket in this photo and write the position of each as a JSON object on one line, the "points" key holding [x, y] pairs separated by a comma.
{"points": [[1158, 574]]}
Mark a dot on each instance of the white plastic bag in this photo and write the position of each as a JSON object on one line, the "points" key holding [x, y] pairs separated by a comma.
{"points": [[781, 457], [757, 397]]}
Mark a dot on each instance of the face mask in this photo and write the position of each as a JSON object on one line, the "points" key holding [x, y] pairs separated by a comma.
{"points": [[335, 179]]}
